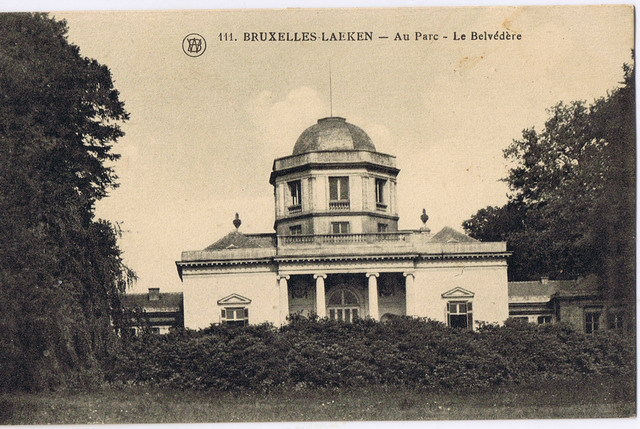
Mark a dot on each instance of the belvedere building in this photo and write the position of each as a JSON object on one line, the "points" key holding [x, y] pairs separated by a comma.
{"points": [[337, 251]]}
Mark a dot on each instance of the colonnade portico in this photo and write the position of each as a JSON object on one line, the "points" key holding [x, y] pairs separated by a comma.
{"points": [[321, 286]]}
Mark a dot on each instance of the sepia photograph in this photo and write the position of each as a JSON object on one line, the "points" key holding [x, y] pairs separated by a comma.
{"points": [[313, 215]]}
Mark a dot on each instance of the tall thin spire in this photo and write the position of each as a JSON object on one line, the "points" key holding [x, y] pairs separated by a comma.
{"points": [[330, 91]]}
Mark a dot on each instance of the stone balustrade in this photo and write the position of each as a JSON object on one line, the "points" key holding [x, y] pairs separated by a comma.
{"points": [[284, 240], [389, 243]]}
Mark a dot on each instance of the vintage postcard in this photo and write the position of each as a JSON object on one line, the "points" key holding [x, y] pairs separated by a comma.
{"points": [[316, 215]]}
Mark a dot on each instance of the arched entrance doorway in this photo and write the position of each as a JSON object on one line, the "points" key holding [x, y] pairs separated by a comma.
{"points": [[343, 304]]}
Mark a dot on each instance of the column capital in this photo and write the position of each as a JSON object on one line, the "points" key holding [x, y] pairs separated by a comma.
{"points": [[316, 276], [409, 273], [283, 276], [372, 274]]}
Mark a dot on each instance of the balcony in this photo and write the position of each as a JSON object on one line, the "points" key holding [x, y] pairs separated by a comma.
{"points": [[295, 209], [383, 245], [339, 205]]}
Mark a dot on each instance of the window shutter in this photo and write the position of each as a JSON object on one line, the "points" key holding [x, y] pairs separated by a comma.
{"points": [[470, 320], [344, 188], [224, 315], [333, 188], [246, 313], [468, 306]]}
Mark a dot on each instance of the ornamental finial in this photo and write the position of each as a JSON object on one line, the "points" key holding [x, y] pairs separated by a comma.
{"points": [[424, 218], [237, 222]]}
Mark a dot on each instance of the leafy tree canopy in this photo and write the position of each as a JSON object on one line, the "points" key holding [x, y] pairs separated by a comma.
{"points": [[60, 269], [571, 209]]}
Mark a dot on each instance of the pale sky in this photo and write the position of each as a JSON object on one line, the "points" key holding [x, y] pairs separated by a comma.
{"points": [[204, 131]]}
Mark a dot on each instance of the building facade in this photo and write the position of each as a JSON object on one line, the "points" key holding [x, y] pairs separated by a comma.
{"points": [[337, 251], [155, 311], [576, 302]]}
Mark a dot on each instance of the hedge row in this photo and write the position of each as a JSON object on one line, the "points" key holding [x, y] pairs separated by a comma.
{"points": [[410, 352]]}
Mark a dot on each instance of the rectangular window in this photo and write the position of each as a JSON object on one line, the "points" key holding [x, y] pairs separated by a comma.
{"points": [[459, 315], [383, 227], [340, 227], [381, 201], [592, 321], [542, 320], [235, 316], [295, 230], [339, 189], [295, 196], [615, 321]]}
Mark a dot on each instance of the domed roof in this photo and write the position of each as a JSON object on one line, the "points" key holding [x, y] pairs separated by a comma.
{"points": [[333, 133]]}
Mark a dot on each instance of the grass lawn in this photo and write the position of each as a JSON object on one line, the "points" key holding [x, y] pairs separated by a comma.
{"points": [[135, 404]]}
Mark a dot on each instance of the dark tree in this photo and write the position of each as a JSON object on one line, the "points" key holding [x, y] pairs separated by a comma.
{"points": [[61, 271], [571, 211], [495, 223]]}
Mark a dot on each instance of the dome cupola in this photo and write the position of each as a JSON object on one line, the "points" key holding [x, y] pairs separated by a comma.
{"points": [[331, 134], [334, 183]]}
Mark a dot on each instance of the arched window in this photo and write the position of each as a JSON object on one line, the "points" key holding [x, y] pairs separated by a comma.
{"points": [[343, 305]]}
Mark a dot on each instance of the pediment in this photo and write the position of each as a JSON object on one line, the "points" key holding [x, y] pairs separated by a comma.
{"points": [[458, 293], [233, 299]]}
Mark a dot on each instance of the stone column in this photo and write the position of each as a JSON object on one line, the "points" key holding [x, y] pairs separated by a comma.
{"points": [[373, 296], [410, 293], [321, 307], [283, 298]]}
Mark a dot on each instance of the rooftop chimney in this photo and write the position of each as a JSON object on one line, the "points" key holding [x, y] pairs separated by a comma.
{"points": [[544, 280], [154, 294]]}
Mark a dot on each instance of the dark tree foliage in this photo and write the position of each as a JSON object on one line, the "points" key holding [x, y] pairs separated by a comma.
{"points": [[407, 352], [571, 211], [61, 271]]}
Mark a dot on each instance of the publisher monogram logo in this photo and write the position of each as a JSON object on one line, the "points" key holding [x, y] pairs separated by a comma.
{"points": [[194, 45]]}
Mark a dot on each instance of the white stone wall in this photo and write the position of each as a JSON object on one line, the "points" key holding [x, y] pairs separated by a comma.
{"points": [[355, 192], [202, 291], [320, 193], [487, 281]]}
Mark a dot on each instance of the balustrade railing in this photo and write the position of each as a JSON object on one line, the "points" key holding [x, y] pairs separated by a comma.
{"points": [[342, 238], [339, 205]]}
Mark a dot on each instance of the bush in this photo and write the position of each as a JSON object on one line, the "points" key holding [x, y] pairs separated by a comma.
{"points": [[416, 353]]}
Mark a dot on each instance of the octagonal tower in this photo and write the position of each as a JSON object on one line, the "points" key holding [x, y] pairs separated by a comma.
{"points": [[335, 182]]}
